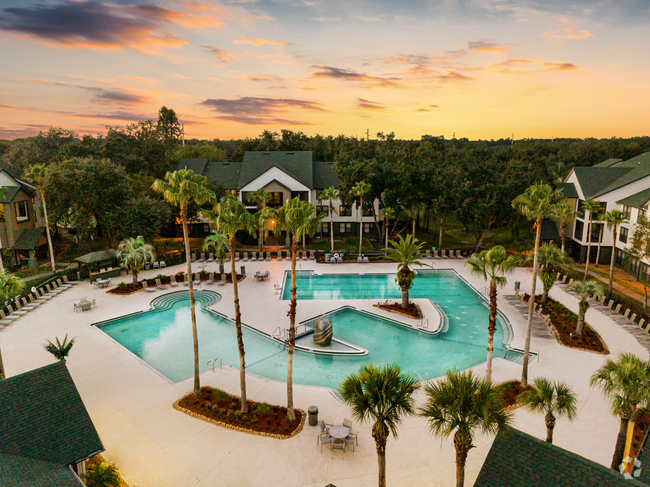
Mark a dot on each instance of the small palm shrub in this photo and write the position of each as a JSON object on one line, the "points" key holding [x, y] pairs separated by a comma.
{"points": [[60, 350], [102, 475]]}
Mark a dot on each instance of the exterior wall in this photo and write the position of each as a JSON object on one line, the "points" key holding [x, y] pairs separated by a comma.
{"points": [[11, 227]]}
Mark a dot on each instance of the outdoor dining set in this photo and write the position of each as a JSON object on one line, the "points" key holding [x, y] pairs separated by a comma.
{"points": [[262, 276], [337, 436], [84, 305], [102, 283]]}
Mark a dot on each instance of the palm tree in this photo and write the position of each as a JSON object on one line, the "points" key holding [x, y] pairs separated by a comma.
{"points": [[553, 399], [414, 211], [102, 475], [219, 242], [564, 213], [36, 175], [135, 252], [389, 214], [613, 219], [460, 404], [552, 259], [10, 285], [383, 396], [591, 206], [60, 350], [625, 382], [330, 194], [229, 217], [537, 202], [179, 189], [405, 253], [297, 218], [584, 290], [260, 198], [359, 190], [492, 265]]}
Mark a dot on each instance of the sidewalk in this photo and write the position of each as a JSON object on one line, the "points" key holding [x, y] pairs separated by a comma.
{"points": [[619, 275]]}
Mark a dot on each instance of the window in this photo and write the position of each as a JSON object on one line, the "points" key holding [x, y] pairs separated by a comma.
{"points": [[596, 235], [368, 212], [21, 211], [581, 211], [620, 257], [345, 227], [645, 272], [627, 211], [641, 215], [345, 211], [325, 228], [275, 199], [622, 237], [322, 209], [577, 234], [367, 227]]}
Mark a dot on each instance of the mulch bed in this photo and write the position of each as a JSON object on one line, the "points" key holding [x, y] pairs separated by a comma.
{"points": [[511, 391], [131, 288], [564, 323], [223, 409], [413, 310]]}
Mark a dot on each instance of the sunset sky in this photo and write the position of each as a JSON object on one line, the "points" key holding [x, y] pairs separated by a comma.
{"points": [[476, 68]]}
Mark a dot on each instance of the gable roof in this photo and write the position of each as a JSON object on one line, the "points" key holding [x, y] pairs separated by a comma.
{"points": [[8, 193], [637, 168], [14, 172], [325, 176], [520, 460], [568, 189], [44, 418], [593, 180], [638, 200], [297, 164], [18, 471], [225, 172], [608, 163], [28, 239], [196, 165]]}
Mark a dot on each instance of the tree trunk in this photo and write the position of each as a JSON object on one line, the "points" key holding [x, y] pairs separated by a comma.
{"points": [[360, 224], [195, 334], [414, 217], [583, 306], [588, 248], [628, 436], [291, 415], [2, 368], [380, 443], [461, 457], [550, 425], [440, 236], [617, 459], [240, 339], [303, 243], [386, 232], [600, 238], [611, 266], [222, 267], [135, 277], [492, 327], [531, 304], [47, 232], [332, 226], [563, 234]]}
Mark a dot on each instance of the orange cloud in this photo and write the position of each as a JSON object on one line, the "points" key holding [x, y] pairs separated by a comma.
{"points": [[523, 66], [370, 105], [482, 46], [361, 78], [568, 33], [101, 80], [180, 76], [224, 56], [260, 42], [139, 79]]}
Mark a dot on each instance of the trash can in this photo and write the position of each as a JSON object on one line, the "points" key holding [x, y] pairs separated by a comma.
{"points": [[243, 270], [313, 415], [517, 284], [146, 266]]}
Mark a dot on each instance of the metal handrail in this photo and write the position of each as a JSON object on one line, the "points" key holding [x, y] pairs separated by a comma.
{"points": [[423, 323], [213, 363]]}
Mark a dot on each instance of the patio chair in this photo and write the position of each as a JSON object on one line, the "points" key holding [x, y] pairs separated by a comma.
{"points": [[339, 260], [211, 280], [350, 439], [223, 281], [311, 255], [145, 286], [196, 282], [268, 257], [304, 256], [156, 265], [254, 257], [163, 264], [65, 280], [202, 259], [186, 280], [428, 254], [325, 439], [256, 277], [32, 301], [227, 259], [173, 282], [193, 256], [280, 256], [436, 254], [443, 254], [210, 257], [366, 260], [236, 256], [28, 306], [277, 287], [4, 319], [348, 424], [359, 260], [327, 258], [160, 285], [12, 315], [245, 259]]}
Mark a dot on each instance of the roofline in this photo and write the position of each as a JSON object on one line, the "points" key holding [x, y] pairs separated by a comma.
{"points": [[619, 187]]}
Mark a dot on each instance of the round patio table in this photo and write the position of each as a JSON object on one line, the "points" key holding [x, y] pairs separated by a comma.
{"points": [[339, 432]]}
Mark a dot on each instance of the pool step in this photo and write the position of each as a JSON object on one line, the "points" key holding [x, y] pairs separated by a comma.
{"points": [[517, 356], [204, 299]]}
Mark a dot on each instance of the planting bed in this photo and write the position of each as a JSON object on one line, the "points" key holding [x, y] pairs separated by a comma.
{"points": [[413, 310], [511, 391]]}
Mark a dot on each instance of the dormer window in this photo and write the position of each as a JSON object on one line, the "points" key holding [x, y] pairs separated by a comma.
{"points": [[21, 211]]}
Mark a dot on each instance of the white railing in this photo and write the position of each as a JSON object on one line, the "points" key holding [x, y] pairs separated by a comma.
{"points": [[423, 323], [213, 363]]}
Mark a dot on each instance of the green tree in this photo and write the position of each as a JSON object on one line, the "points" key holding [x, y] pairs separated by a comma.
{"points": [[330, 194], [552, 399], [592, 206], [492, 265], [389, 214], [360, 189], [584, 290], [405, 253], [179, 188], [231, 216], [169, 125], [10, 285], [60, 350], [260, 198], [219, 243], [383, 396], [624, 382], [536, 203], [614, 219], [298, 218], [565, 214], [551, 259], [36, 175], [102, 475], [460, 404], [135, 253]]}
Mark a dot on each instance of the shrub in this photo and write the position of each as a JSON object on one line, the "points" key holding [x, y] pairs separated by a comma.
{"points": [[102, 475], [233, 405], [208, 404], [238, 414], [244, 418], [263, 408], [221, 396], [121, 284]]}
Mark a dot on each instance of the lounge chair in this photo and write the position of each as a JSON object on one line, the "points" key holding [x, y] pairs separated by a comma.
{"points": [[30, 306], [236, 256], [145, 286], [254, 257], [211, 258], [245, 259], [160, 285], [223, 280], [163, 264], [202, 259], [227, 259], [65, 280], [268, 257], [280, 255], [436, 254], [193, 257], [304, 255], [186, 280], [156, 265], [443, 254], [173, 282], [210, 280], [62, 285], [4, 319], [339, 260], [359, 260], [428, 254], [327, 258], [366, 260], [277, 286], [12, 315], [311, 255], [196, 282]]}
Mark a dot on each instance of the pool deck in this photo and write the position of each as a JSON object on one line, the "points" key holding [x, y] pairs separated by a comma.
{"points": [[154, 445]]}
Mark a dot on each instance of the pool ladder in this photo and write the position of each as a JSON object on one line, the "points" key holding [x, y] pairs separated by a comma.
{"points": [[423, 323], [213, 363], [423, 376], [280, 334], [362, 297]]}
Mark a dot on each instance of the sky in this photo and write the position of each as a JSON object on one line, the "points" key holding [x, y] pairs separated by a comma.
{"points": [[481, 69]]}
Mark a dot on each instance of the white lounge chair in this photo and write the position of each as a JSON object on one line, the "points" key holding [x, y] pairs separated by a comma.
{"points": [[160, 285], [254, 257], [245, 259], [210, 280], [223, 281], [156, 265], [173, 281], [359, 260], [268, 256], [311, 255], [436, 254], [236, 256], [280, 255], [211, 258], [366, 260], [145, 286], [304, 255]]}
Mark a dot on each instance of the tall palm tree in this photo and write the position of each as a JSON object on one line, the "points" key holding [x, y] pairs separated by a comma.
{"points": [[625, 382], [415, 210], [179, 188], [135, 252], [297, 218], [537, 202], [461, 404], [36, 175], [359, 190], [10, 285], [389, 214], [260, 198], [613, 219], [492, 265], [553, 399], [584, 290], [552, 259], [229, 217], [405, 253], [564, 213], [591, 206], [219, 242], [382, 396], [330, 194]]}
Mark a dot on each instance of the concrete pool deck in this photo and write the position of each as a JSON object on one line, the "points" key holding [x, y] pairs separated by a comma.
{"points": [[154, 445]]}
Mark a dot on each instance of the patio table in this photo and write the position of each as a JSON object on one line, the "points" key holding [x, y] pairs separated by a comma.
{"points": [[339, 432]]}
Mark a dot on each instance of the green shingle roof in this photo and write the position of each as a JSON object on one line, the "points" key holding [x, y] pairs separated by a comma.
{"points": [[637, 200], [100, 256], [8, 193], [593, 180], [28, 239], [18, 471], [224, 172], [197, 165], [568, 189], [637, 168], [520, 460], [325, 176], [44, 418], [297, 164], [549, 230], [608, 163]]}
